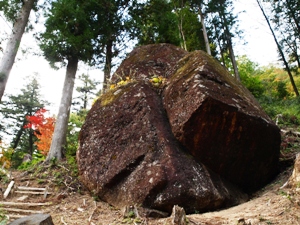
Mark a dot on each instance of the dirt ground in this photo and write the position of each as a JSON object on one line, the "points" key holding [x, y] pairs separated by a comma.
{"points": [[71, 204]]}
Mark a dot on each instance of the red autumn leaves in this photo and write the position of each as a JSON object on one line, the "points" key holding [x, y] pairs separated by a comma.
{"points": [[43, 129]]}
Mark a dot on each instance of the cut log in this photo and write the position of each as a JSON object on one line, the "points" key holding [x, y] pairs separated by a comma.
{"points": [[21, 210], [10, 216], [7, 191], [28, 204], [31, 188], [32, 192], [22, 198]]}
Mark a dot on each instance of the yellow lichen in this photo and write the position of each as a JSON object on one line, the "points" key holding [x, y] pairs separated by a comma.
{"points": [[157, 80], [115, 91], [120, 83]]}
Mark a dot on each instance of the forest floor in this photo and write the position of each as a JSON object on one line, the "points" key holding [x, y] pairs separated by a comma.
{"points": [[70, 203]]}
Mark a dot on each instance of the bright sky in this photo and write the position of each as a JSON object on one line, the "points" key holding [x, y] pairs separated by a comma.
{"points": [[260, 48]]}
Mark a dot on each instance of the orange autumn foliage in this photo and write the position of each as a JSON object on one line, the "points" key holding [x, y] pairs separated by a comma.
{"points": [[43, 129]]}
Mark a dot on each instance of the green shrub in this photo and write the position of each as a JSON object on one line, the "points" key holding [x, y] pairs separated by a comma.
{"points": [[37, 157], [281, 90], [288, 109]]}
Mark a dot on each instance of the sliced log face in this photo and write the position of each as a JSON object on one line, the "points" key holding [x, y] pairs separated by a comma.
{"points": [[220, 123]]}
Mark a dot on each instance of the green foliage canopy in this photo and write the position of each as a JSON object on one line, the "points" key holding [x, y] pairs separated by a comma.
{"points": [[69, 32]]}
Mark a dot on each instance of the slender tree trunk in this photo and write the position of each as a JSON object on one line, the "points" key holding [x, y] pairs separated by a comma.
{"points": [[61, 125], [280, 50], [30, 142], [13, 43], [233, 61], [18, 136], [230, 48], [204, 31], [181, 33], [220, 47], [293, 14], [180, 27], [85, 100], [108, 60], [297, 59]]}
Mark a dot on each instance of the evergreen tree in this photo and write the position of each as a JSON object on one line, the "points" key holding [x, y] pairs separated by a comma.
{"points": [[154, 22], [111, 17], [14, 111], [86, 90], [224, 24], [70, 37], [200, 7], [162, 21]]}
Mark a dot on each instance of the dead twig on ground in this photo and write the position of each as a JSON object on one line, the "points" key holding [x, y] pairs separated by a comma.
{"points": [[62, 220]]}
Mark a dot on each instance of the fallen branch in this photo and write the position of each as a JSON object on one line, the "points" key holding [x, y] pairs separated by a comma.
{"points": [[62, 220], [63, 167], [90, 218]]}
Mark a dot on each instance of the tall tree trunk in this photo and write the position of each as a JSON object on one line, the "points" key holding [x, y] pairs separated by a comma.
{"points": [[280, 50], [220, 47], [180, 27], [13, 44], [230, 48], [204, 31], [17, 139], [108, 60], [293, 14], [183, 43], [233, 61], [61, 125], [30, 142], [85, 101]]}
